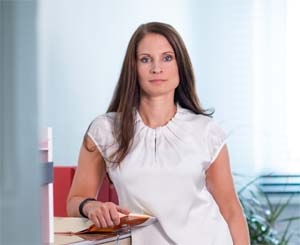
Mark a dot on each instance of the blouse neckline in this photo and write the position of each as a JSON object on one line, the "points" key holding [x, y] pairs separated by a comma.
{"points": [[140, 120]]}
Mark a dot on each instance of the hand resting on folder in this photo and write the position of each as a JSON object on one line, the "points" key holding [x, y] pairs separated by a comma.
{"points": [[77, 225]]}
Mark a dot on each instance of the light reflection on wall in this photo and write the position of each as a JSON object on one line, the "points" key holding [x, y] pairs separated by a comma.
{"points": [[293, 83]]}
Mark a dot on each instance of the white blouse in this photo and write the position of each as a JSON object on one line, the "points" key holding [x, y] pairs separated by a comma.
{"points": [[163, 175]]}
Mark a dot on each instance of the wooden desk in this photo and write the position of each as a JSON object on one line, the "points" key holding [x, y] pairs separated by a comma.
{"points": [[60, 239], [66, 239]]}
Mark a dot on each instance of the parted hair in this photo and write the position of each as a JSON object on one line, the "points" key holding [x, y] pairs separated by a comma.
{"points": [[126, 97]]}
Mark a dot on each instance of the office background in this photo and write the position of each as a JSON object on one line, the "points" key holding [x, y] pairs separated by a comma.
{"points": [[239, 50], [60, 61]]}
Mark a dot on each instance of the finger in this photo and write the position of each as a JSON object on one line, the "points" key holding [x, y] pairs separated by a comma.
{"points": [[114, 215], [122, 210], [94, 218], [102, 222], [106, 215]]}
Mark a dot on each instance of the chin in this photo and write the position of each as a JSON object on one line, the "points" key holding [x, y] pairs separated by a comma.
{"points": [[158, 92], [164, 87]]}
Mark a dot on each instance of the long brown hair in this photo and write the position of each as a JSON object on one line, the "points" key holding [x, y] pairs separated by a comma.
{"points": [[127, 92]]}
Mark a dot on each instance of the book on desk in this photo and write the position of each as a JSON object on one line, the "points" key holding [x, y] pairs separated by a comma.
{"points": [[77, 230]]}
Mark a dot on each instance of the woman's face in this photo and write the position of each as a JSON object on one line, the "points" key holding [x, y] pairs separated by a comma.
{"points": [[156, 66]]}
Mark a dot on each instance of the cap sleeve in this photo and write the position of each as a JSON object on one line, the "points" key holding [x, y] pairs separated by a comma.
{"points": [[216, 138], [100, 132]]}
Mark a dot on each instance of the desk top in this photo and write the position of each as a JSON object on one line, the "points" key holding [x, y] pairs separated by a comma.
{"points": [[60, 239], [123, 238]]}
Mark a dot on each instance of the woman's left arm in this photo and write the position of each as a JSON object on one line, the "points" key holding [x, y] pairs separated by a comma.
{"points": [[220, 184]]}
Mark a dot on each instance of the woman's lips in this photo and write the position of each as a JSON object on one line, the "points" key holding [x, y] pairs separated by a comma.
{"points": [[157, 80]]}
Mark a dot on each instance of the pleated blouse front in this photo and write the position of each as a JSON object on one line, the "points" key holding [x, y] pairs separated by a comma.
{"points": [[163, 175]]}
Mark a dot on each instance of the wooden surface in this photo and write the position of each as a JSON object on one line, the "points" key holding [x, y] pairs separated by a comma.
{"points": [[70, 239], [65, 225]]}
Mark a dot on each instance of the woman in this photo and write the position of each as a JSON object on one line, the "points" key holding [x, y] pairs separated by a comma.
{"points": [[165, 155]]}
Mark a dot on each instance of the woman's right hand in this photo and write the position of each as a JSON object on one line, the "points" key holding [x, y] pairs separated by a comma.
{"points": [[103, 214]]}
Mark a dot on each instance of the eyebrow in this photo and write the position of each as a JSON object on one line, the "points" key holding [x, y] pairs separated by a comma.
{"points": [[167, 52]]}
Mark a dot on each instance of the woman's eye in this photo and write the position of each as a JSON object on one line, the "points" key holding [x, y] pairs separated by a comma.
{"points": [[168, 58], [145, 59]]}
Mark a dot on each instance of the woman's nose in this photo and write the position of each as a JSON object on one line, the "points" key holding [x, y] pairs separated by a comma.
{"points": [[156, 68]]}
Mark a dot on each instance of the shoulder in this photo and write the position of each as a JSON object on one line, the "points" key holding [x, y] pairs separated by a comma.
{"points": [[101, 132], [199, 121], [104, 119], [102, 125], [200, 125]]}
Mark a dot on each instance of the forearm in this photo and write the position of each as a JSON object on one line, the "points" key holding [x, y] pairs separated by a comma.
{"points": [[238, 228]]}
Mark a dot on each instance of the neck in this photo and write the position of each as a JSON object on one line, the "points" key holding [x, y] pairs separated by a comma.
{"points": [[156, 113]]}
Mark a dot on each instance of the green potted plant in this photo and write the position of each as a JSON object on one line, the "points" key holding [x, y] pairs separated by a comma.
{"points": [[263, 216]]}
